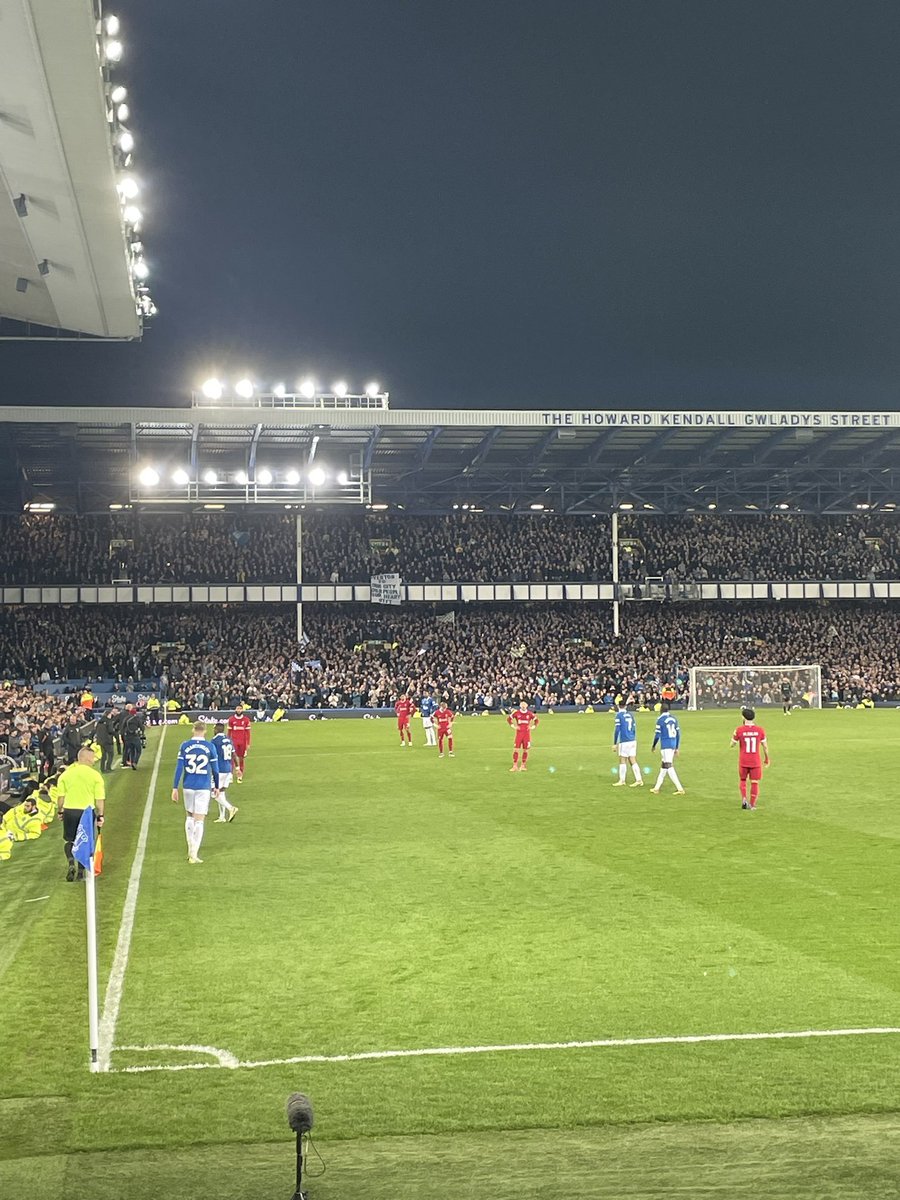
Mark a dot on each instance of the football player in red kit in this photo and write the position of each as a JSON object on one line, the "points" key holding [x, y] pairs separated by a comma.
{"points": [[753, 751], [524, 721], [404, 708], [239, 732], [443, 720]]}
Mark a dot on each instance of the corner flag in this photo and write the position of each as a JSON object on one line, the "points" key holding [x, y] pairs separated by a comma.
{"points": [[83, 846]]}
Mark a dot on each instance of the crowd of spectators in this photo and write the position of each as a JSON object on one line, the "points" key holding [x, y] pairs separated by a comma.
{"points": [[341, 547], [31, 721], [482, 656]]}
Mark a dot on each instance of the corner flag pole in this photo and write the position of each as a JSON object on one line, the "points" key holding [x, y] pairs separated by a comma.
{"points": [[93, 1002]]}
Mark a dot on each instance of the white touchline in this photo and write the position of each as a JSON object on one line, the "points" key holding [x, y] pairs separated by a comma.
{"points": [[113, 997], [229, 1061]]}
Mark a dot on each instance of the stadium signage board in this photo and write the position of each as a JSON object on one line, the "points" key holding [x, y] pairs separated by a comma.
{"points": [[686, 418]]}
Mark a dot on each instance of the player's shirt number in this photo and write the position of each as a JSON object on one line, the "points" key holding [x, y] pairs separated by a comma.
{"points": [[751, 743], [197, 764]]}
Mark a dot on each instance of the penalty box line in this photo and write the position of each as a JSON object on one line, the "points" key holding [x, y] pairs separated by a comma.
{"points": [[113, 999], [223, 1059]]}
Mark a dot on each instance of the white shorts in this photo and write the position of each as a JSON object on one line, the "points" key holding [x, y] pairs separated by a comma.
{"points": [[627, 749], [428, 722], [196, 801], [224, 781], [667, 757]]}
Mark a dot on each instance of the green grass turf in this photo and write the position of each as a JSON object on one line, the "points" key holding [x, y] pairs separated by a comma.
{"points": [[369, 898]]}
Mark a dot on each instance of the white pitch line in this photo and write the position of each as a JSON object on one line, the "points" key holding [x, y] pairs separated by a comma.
{"points": [[113, 997], [231, 1062], [35, 899]]}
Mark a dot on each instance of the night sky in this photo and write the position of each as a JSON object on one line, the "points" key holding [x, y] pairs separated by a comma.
{"points": [[512, 202]]}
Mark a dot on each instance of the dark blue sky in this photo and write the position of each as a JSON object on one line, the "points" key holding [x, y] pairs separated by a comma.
{"points": [[512, 202]]}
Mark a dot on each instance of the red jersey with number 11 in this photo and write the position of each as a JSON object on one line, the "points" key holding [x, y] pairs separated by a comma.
{"points": [[750, 739]]}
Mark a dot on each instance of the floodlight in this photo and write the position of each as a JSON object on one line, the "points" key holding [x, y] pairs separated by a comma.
{"points": [[132, 215], [181, 477], [712, 506], [212, 389], [626, 506], [113, 48], [128, 187], [118, 94], [343, 478], [123, 112], [241, 478], [140, 269], [340, 388], [534, 507], [111, 25], [264, 477], [279, 390], [244, 389], [372, 390], [149, 477], [292, 477], [317, 477], [210, 477], [125, 141], [308, 389]]}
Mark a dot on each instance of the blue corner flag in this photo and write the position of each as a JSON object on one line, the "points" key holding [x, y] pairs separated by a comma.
{"points": [[83, 846]]}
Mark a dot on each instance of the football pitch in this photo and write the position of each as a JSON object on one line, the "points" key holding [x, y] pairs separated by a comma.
{"points": [[490, 984]]}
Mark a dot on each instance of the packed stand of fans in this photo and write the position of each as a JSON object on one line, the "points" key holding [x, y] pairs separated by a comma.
{"points": [[360, 656], [463, 547]]}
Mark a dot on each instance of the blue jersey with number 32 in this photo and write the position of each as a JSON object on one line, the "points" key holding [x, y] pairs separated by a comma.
{"points": [[197, 766]]}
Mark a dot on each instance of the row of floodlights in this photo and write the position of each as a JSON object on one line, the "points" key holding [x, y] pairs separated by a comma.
{"points": [[127, 186], [150, 477], [246, 389]]}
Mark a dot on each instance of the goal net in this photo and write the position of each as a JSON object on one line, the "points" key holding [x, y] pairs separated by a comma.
{"points": [[735, 687]]}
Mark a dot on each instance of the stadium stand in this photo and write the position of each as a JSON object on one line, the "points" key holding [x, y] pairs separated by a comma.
{"points": [[153, 548], [358, 656]]}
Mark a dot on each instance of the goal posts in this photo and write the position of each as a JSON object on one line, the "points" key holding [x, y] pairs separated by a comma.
{"points": [[735, 687]]}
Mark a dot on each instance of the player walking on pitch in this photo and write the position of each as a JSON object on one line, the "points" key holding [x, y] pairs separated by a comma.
{"points": [[225, 753], [239, 732], [197, 769], [427, 708], [625, 742], [404, 708], [668, 736], [753, 751], [524, 721], [443, 719]]}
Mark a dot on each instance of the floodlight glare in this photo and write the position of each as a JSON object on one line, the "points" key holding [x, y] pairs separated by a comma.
{"points": [[112, 48], [132, 215], [212, 389], [148, 477], [534, 507], [279, 390], [180, 476], [292, 477], [111, 25], [340, 388], [140, 268], [317, 477], [210, 477], [264, 477], [244, 388], [123, 112], [372, 390], [241, 478], [118, 94], [125, 141], [308, 389], [128, 187], [343, 478]]}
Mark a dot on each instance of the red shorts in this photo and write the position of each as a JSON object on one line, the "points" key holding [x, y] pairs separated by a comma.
{"points": [[240, 749], [523, 742], [754, 773], [403, 722]]}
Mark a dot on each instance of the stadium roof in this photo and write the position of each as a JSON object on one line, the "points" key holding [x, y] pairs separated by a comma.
{"points": [[591, 462], [66, 261]]}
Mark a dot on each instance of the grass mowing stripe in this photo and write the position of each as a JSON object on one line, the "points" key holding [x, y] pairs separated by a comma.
{"points": [[230, 1062], [113, 997]]}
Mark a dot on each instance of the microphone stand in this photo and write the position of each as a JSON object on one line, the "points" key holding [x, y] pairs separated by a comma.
{"points": [[299, 1194]]}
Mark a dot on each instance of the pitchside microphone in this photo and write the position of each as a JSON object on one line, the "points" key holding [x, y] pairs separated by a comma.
{"points": [[300, 1119]]}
